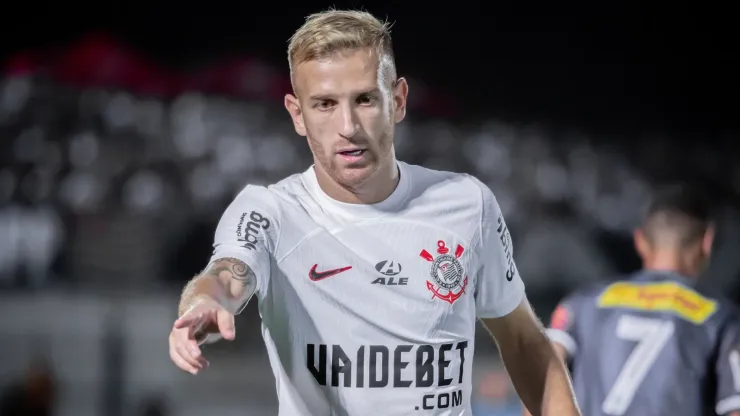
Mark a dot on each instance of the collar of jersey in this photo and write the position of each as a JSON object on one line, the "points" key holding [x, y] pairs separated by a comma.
{"points": [[391, 204], [670, 275]]}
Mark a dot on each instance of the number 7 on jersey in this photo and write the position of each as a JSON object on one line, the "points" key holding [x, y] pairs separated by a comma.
{"points": [[651, 335]]}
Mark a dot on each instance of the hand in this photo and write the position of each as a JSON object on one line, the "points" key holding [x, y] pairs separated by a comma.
{"points": [[206, 321]]}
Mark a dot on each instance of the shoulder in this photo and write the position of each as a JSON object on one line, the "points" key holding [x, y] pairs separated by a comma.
{"points": [[727, 311], [292, 185], [589, 294], [253, 216], [571, 310], [255, 197], [273, 196], [722, 302], [263, 202], [426, 177], [725, 314], [448, 186]]}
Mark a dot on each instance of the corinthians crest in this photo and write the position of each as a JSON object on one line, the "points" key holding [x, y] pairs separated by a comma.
{"points": [[448, 277]]}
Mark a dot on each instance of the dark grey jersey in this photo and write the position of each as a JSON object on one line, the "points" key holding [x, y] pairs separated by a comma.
{"points": [[651, 345]]}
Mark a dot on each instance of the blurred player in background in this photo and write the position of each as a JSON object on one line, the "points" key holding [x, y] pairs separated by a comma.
{"points": [[653, 344], [369, 272]]}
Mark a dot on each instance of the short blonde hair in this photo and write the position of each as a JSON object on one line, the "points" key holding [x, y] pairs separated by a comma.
{"points": [[325, 33]]}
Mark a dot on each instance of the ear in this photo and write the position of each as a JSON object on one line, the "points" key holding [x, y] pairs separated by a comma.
{"points": [[642, 246], [708, 240], [296, 114], [400, 95]]}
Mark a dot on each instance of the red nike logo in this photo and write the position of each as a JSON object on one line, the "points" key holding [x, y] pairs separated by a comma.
{"points": [[316, 276]]}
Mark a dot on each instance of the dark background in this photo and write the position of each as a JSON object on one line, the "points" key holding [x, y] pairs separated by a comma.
{"points": [[615, 65], [618, 97]]}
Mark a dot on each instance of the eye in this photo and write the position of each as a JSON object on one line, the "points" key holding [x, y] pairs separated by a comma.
{"points": [[366, 99], [324, 105]]}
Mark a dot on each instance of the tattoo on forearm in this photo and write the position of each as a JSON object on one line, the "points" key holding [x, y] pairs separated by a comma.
{"points": [[238, 272], [238, 269]]}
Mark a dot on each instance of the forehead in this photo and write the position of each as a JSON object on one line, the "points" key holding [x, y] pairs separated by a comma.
{"points": [[341, 73]]}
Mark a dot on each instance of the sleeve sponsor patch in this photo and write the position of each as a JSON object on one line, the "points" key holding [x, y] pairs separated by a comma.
{"points": [[506, 244]]}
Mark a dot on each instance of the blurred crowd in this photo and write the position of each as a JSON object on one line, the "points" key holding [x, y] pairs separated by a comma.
{"points": [[98, 181]]}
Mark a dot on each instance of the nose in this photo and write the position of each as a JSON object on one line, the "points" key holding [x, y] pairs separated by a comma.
{"points": [[348, 123]]}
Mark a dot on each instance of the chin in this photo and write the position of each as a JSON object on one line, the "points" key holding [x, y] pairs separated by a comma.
{"points": [[352, 176]]}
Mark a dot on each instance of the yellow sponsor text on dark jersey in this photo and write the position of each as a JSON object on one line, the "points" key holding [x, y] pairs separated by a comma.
{"points": [[669, 297]]}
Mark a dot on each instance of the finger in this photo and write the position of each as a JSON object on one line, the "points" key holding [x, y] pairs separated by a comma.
{"points": [[181, 363], [203, 337], [191, 357], [226, 325], [188, 320], [196, 353], [203, 362], [194, 348], [205, 320]]}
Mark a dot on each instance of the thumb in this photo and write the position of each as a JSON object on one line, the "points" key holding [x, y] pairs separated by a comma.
{"points": [[226, 324]]}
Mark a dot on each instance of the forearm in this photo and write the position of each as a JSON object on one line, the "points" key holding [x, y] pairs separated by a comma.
{"points": [[229, 282], [540, 378]]}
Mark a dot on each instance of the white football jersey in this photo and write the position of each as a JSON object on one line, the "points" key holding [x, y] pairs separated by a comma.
{"points": [[371, 309]]}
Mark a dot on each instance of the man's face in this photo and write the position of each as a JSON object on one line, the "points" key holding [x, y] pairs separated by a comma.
{"points": [[347, 108]]}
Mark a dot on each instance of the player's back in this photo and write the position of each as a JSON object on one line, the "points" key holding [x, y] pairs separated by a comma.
{"points": [[647, 346]]}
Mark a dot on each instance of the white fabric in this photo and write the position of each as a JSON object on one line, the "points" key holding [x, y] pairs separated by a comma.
{"points": [[390, 333], [563, 338], [728, 405]]}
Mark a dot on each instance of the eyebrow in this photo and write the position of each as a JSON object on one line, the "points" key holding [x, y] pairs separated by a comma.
{"points": [[321, 97]]}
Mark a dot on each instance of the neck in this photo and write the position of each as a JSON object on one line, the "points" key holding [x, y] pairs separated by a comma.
{"points": [[375, 189], [679, 263]]}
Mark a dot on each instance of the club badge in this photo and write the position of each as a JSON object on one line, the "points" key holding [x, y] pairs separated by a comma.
{"points": [[448, 280]]}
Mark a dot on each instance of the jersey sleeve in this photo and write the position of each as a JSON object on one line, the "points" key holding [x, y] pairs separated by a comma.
{"points": [[248, 231], [499, 289], [562, 327], [728, 369]]}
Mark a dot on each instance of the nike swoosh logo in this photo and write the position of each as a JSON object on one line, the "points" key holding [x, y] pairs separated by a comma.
{"points": [[316, 276]]}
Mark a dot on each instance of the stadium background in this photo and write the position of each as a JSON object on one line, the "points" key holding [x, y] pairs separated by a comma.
{"points": [[125, 129]]}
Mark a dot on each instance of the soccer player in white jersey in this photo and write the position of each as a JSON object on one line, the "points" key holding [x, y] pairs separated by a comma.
{"points": [[370, 273]]}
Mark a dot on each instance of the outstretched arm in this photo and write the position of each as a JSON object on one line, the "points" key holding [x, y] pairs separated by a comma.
{"points": [[240, 264], [535, 367], [206, 311]]}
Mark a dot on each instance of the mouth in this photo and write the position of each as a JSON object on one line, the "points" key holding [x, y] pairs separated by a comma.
{"points": [[352, 155], [352, 152]]}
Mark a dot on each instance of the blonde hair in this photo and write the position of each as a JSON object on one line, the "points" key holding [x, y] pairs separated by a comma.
{"points": [[326, 33]]}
